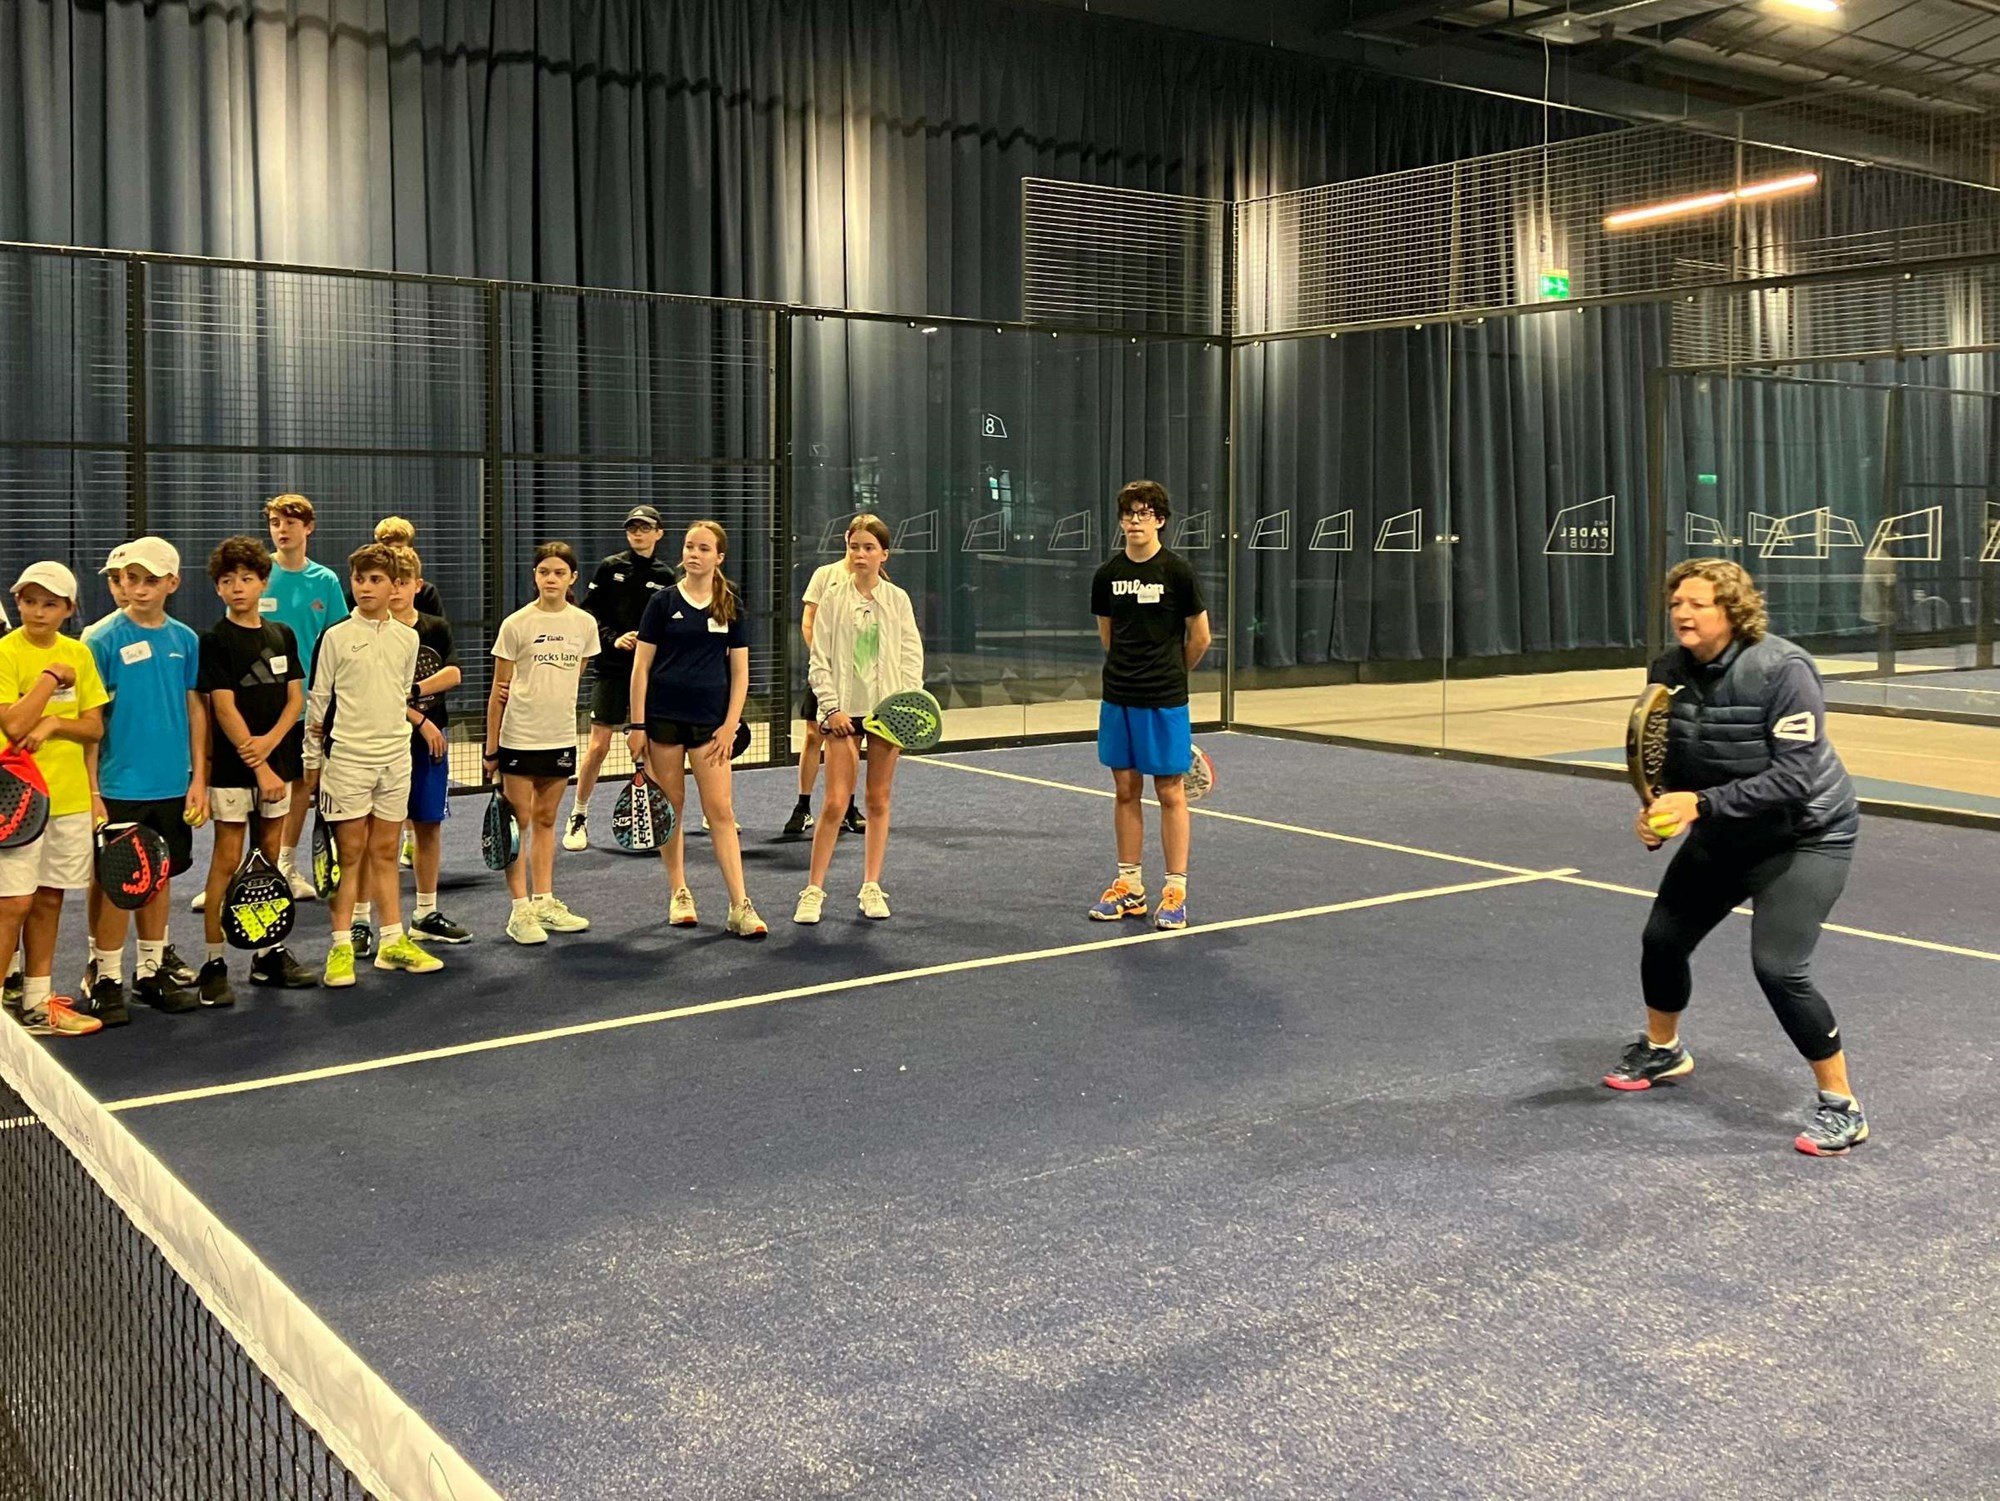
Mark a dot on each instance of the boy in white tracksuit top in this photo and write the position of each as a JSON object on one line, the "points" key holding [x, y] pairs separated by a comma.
{"points": [[865, 647]]}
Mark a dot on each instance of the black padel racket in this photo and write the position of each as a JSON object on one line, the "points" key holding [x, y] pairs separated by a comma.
{"points": [[257, 909], [911, 720], [499, 834], [642, 819], [131, 864], [325, 858], [1200, 779], [742, 741], [429, 665], [24, 799], [1646, 742]]}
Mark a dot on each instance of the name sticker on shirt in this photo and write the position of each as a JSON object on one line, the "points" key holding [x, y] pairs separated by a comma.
{"points": [[135, 651], [267, 606], [281, 665], [64, 695], [717, 627]]}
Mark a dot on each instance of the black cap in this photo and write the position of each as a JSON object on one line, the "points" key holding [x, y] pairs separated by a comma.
{"points": [[642, 513]]}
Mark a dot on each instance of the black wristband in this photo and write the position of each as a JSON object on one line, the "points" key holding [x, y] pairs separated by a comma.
{"points": [[489, 755], [1702, 806]]}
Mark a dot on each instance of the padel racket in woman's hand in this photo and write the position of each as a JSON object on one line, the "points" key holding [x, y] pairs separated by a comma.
{"points": [[499, 834], [325, 858], [24, 799], [642, 819], [1200, 776], [131, 864], [911, 720], [1646, 749], [257, 908]]}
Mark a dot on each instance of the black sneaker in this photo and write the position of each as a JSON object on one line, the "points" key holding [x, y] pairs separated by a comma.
{"points": [[854, 823], [1837, 1126], [160, 992], [107, 1002], [14, 993], [800, 821], [1644, 1065], [438, 928], [212, 984], [364, 941], [175, 968], [278, 967]]}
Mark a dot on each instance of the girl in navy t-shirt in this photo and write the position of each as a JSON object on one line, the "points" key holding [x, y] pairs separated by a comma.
{"points": [[690, 672]]}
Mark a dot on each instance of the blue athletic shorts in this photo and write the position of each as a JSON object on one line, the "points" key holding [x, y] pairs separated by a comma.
{"points": [[430, 787], [1154, 742]]}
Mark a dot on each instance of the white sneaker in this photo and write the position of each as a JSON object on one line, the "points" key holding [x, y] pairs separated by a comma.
{"points": [[576, 834], [556, 918], [522, 927], [302, 886], [198, 901], [680, 908], [873, 902], [810, 901], [707, 830]]}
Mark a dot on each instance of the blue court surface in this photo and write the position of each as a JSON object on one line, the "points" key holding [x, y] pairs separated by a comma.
{"points": [[1319, 1198]]}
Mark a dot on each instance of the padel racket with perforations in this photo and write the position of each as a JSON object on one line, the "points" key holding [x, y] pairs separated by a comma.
{"points": [[429, 665], [911, 720], [131, 864], [499, 834], [325, 858], [257, 908], [1646, 742], [642, 819], [1200, 779], [24, 799]]}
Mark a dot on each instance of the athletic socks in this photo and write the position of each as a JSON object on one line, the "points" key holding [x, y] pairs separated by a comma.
{"points": [[212, 952], [1132, 877], [804, 804], [391, 931], [539, 897], [151, 957], [427, 903], [361, 913], [1177, 878], [523, 904], [36, 990], [110, 963]]}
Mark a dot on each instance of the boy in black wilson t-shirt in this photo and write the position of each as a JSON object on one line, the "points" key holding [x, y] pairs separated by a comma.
{"points": [[1154, 626], [255, 683]]}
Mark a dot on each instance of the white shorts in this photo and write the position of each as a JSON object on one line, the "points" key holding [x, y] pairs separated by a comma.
{"points": [[61, 859], [348, 791], [234, 804]]}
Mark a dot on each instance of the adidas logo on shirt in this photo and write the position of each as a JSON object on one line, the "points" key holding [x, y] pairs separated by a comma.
{"points": [[678, 615]]}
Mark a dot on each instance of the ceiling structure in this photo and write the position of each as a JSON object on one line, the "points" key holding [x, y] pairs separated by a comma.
{"points": [[1637, 59]]}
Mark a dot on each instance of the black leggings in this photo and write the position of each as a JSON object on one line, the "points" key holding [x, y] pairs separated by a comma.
{"points": [[1792, 892]]}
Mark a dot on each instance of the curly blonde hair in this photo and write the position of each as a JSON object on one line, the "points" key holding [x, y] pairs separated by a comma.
{"points": [[1734, 591]]}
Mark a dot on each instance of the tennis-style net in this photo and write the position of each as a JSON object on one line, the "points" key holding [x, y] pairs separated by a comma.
{"points": [[147, 1355]]}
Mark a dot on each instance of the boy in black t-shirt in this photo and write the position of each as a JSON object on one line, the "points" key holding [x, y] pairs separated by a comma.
{"points": [[1154, 626], [251, 672]]}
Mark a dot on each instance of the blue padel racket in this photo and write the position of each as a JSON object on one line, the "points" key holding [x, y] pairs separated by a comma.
{"points": [[642, 819], [257, 909], [131, 864], [911, 720], [499, 834], [24, 799], [1200, 776]]}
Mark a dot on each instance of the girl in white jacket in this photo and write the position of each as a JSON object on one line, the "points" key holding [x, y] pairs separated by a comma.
{"points": [[865, 647]]}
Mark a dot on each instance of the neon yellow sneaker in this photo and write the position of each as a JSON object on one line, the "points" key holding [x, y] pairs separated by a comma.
{"points": [[339, 967], [405, 953]]}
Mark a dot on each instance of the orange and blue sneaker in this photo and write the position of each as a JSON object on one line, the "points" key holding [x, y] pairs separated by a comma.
{"points": [[1119, 900], [1172, 912]]}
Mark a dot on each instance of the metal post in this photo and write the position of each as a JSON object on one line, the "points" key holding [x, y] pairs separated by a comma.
{"points": [[780, 403], [495, 486], [136, 384], [1656, 512], [1892, 490], [1226, 317]]}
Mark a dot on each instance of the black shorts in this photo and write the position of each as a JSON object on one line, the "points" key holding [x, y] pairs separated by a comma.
{"points": [[809, 708], [679, 732], [163, 817], [610, 696], [545, 765]]}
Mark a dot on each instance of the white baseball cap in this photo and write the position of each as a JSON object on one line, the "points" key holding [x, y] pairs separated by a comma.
{"points": [[156, 555], [115, 561], [52, 576]]}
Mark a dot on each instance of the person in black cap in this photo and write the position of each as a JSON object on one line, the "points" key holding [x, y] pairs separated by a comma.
{"points": [[617, 598]]}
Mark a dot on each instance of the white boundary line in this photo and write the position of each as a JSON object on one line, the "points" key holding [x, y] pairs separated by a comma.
{"points": [[1567, 878], [828, 987]]}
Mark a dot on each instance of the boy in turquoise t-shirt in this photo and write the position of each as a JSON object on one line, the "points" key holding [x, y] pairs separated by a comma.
{"points": [[307, 597], [152, 764]]}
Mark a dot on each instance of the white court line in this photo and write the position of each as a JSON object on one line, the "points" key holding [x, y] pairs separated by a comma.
{"points": [[828, 987], [1566, 879]]}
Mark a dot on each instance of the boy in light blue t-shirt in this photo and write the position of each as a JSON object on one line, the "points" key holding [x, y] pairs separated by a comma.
{"points": [[307, 597], [152, 765]]}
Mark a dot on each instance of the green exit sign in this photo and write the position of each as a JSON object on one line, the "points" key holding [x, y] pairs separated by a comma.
{"points": [[1555, 285]]}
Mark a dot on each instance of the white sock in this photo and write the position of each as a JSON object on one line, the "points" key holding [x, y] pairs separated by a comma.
{"points": [[523, 904], [151, 956], [212, 952], [265, 952], [427, 903], [544, 896], [1133, 876], [361, 913], [391, 931], [344, 939], [110, 963], [1667, 1046], [1177, 878], [36, 990]]}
